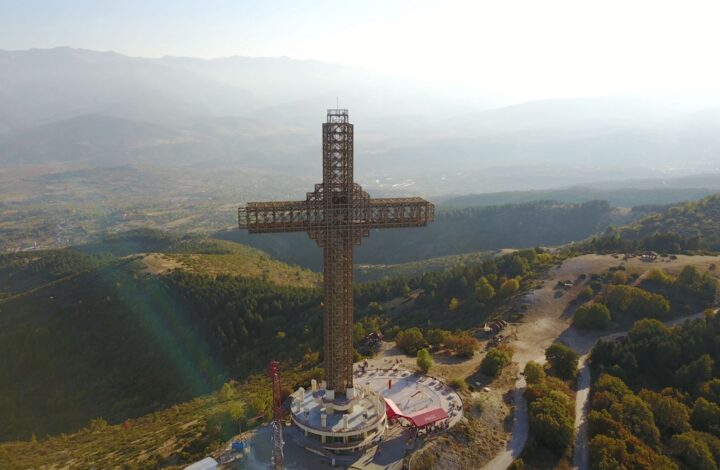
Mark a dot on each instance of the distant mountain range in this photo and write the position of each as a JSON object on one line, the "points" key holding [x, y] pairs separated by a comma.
{"points": [[103, 108]]}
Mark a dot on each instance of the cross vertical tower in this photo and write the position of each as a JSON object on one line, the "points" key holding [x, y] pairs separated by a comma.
{"points": [[337, 214]]}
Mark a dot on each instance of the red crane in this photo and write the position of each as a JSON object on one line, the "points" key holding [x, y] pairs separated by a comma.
{"points": [[278, 460]]}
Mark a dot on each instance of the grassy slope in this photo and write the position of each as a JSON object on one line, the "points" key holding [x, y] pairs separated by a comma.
{"points": [[169, 438], [246, 261]]}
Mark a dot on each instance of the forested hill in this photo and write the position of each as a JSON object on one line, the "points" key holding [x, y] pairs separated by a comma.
{"points": [[454, 231], [692, 226], [93, 332], [90, 334], [655, 402], [150, 251]]}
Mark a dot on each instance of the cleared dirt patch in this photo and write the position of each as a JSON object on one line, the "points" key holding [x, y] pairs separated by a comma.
{"points": [[158, 263]]}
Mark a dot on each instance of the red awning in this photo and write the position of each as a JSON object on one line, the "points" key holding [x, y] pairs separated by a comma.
{"points": [[392, 409], [419, 420], [426, 418]]}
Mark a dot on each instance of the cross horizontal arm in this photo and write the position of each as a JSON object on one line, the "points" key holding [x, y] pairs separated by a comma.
{"points": [[302, 216], [398, 212], [280, 216]]}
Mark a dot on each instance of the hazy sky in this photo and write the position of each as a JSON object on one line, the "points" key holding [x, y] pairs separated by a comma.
{"points": [[532, 48]]}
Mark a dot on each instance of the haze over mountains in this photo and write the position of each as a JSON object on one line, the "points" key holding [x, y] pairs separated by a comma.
{"points": [[105, 109]]}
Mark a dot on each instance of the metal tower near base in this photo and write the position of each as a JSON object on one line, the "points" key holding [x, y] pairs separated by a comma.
{"points": [[278, 460], [337, 214]]}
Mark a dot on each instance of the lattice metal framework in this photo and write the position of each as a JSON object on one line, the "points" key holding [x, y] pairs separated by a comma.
{"points": [[337, 214], [278, 459]]}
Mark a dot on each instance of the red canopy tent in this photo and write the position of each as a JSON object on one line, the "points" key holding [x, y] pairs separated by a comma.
{"points": [[418, 420], [426, 418]]}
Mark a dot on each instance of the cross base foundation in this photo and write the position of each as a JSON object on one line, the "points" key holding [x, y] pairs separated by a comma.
{"points": [[339, 424]]}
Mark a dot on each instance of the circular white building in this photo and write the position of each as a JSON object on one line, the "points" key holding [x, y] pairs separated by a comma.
{"points": [[342, 424]]}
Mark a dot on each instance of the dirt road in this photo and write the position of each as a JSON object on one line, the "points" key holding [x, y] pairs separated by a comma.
{"points": [[548, 319], [520, 431]]}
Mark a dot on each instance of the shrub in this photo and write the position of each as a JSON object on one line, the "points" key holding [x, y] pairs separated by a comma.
{"points": [[607, 453], [702, 285], [462, 344], [695, 453], [695, 372], [659, 276], [551, 421], [509, 287], [459, 384], [612, 385], [484, 291], [425, 461], [638, 419], [637, 303], [706, 416], [593, 316], [585, 294], [534, 372], [563, 361], [424, 360], [711, 390], [410, 340], [620, 277], [671, 416], [494, 361], [436, 336]]}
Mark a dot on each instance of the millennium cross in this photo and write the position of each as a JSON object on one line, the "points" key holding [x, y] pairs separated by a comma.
{"points": [[337, 214]]}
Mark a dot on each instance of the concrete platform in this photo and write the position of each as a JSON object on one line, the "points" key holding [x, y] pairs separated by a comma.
{"points": [[411, 392]]}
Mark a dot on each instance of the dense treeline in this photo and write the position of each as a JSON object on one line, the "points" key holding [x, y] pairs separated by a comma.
{"points": [[22, 271], [111, 343], [656, 400], [690, 227], [454, 231], [659, 296], [470, 292], [551, 408], [247, 321], [147, 240]]}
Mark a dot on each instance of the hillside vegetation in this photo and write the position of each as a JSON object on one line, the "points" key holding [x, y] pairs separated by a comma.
{"points": [[88, 332], [105, 338], [656, 400], [113, 343], [453, 232], [693, 226]]}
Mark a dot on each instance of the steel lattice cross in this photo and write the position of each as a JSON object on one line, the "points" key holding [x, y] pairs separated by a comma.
{"points": [[337, 214]]}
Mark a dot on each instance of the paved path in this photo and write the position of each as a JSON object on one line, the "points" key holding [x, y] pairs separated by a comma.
{"points": [[581, 454], [520, 431], [549, 320]]}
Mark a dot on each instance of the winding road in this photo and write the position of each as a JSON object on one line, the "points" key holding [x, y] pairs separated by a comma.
{"points": [[520, 431], [548, 320]]}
